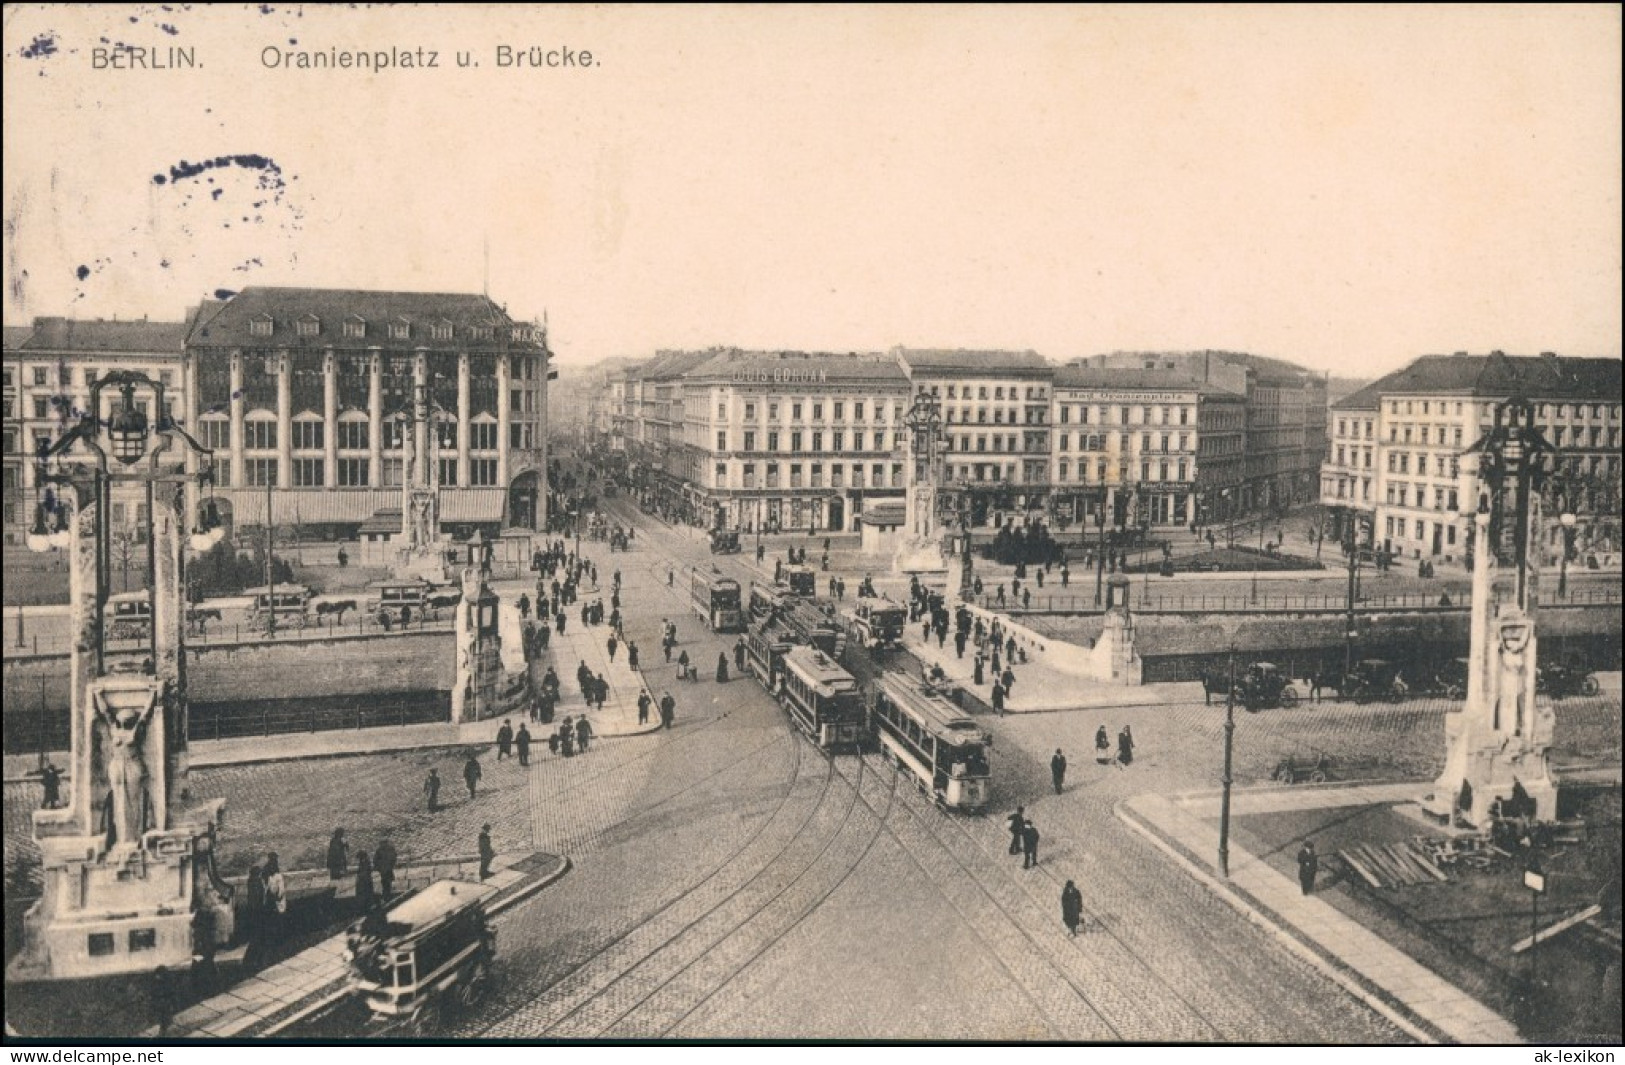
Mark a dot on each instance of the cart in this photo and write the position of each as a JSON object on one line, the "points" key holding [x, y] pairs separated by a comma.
{"points": [[1291, 770], [1264, 687]]}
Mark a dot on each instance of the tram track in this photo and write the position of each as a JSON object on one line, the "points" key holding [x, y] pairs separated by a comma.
{"points": [[599, 974]]}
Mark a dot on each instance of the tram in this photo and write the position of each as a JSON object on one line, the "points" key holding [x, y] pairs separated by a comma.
{"points": [[403, 598], [128, 616], [801, 581], [765, 645], [821, 698], [425, 958], [875, 622], [765, 599], [284, 605], [929, 737], [716, 599]]}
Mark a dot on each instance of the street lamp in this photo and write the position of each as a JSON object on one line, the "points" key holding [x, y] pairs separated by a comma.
{"points": [[1568, 521], [1229, 746]]}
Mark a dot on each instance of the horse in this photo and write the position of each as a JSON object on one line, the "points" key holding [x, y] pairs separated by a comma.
{"points": [[337, 607]]}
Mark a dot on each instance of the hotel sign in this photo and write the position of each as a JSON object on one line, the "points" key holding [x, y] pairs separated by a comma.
{"points": [[1095, 396], [780, 377]]}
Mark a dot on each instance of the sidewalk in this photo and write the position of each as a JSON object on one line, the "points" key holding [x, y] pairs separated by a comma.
{"points": [[1040, 689], [1381, 975], [589, 643], [283, 994]]}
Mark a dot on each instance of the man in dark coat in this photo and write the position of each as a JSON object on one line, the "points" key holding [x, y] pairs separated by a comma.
{"points": [[613, 644], [504, 740], [51, 781], [383, 860], [1057, 770], [522, 742], [488, 853], [1029, 845], [998, 700], [977, 669], [471, 775], [1016, 821], [431, 788], [722, 667], [739, 654], [1071, 907], [1308, 866], [668, 710], [644, 702], [338, 855], [1125, 746], [632, 654], [583, 733]]}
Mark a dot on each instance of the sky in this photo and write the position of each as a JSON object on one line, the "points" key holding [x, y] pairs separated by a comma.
{"points": [[1346, 188]]}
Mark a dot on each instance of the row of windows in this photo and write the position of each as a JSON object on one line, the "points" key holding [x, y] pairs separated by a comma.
{"points": [[62, 376], [355, 327], [1353, 456], [795, 408], [1164, 470], [1443, 465], [1486, 410], [1033, 417], [1399, 494], [1107, 414], [796, 437], [1121, 441], [1344, 488], [352, 473], [1034, 392], [308, 435], [815, 475], [1395, 527]]}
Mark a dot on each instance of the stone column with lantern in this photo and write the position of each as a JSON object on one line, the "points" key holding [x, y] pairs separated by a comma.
{"points": [[127, 862]]}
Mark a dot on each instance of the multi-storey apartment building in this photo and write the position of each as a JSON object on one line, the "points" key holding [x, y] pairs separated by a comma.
{"points": [[319, 396], [49, 368], [793, 440], [1285, 426], [1396, 449], [996, 409], [1146, 447]]}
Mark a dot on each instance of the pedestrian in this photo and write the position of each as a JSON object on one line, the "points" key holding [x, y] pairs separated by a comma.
{"points": [[383, 860], [1103, 746], [363, 882], [668, 710], [1016, 821], [1071, 907], [163, 999], [338, 855], [522, 742], [488, 853], [1029, 845], [977, 668], [504, 740], [644, 703], [1057, 770], [613, 645], [524, 606], [567, 738], [739, 655], [1125, 746], [276, 899], [583, 732], [632, 655], [1026, 598], [559, 619], [1314, 686], [471, 775], [665, 645], [431, 788], [51, 781], [1008, 679], [1308, 866], [722, 667], [998, 699]]}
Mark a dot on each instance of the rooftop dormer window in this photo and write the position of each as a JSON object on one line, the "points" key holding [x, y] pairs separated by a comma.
{"points": [[484, 332], [260, 326], [309, 326], [400, 329], [355, 327], [440, 330]]}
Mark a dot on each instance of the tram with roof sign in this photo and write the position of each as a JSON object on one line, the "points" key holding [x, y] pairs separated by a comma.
{"points": [[425, 959], [822, 699], [934, 741], [716, 599], [875, 622], [800, 580]]}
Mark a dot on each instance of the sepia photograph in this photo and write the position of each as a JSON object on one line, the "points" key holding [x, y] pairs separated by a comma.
{"points": [[600, 524]]}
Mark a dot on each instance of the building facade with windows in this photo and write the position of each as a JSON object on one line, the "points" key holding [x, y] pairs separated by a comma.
{"points": [[1396, 469], [1143, 447], [317, 398], [1285, 420], [792, 440], [49, 369], [996, 408]]}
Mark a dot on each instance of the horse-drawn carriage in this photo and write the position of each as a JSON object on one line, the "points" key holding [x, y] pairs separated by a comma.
{"points": [[1265, 686], [1374, 679], [282, 606]]}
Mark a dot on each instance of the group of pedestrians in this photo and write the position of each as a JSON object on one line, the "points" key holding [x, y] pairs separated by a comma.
{"points": [[1125, 747]]}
